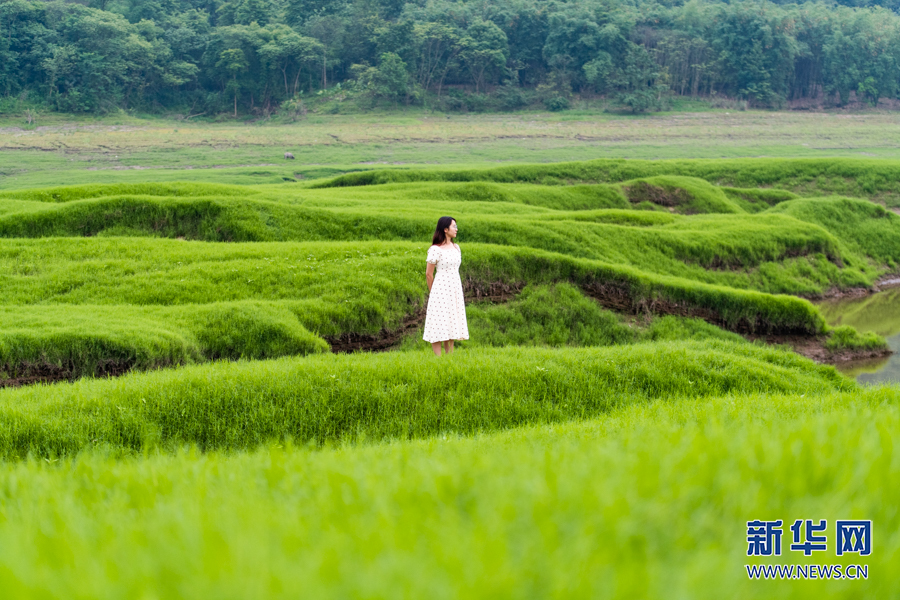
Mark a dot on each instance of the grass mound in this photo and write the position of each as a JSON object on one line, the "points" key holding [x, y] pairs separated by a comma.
{"points": [[868, 178], [561, 315], [864, 227], [687, 247], [845, 337], [685, 195], [66, 342], [394, 395], [81, 192], [357, 272], [621, 506], [359, 287]]}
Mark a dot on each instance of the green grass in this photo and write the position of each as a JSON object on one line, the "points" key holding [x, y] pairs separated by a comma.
{"points": [[864, 227], [561, 315], [649, 501], [846, 337], [401, 395], [342, 287], [75, 341], [332, 261], [875, 179], [70, 149], [569, 220]]}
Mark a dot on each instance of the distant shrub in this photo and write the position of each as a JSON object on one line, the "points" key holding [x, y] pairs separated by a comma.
{"points": [[557, 103], [512, 97]]}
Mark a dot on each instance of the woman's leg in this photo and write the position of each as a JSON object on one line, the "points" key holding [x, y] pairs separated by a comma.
{"points": [[448, 346], [436, 346]]}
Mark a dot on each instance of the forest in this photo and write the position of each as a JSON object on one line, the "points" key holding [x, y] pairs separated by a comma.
{"points": [[257, 57]]}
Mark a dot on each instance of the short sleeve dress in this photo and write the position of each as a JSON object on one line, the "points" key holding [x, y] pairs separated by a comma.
{"points": [[445, 317]]}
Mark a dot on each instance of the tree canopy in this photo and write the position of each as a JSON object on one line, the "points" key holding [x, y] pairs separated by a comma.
{"points": [[253, 55]]}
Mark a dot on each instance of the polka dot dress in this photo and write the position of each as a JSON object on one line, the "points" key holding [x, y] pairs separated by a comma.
{"points": [[445, 318]]}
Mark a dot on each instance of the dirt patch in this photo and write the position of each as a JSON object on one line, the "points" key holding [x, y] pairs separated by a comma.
{"points": [[813, 347], [645, 192], [891, 280], [31, 373], [384, 339]]}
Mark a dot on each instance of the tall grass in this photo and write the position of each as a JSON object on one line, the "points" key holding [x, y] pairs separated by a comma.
{"points": [[561, 315], [713, 248], [384, 396], [74, 341], [806, 176], [649, 501], [866, 228], [360, 278], [359, 287]]}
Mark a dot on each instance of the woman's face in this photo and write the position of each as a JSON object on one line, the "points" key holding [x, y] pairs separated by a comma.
{"points": [[451, 231]]}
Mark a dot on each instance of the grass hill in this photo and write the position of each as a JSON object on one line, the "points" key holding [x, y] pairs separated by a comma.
{"points": [[90, 285], [607, 431]]}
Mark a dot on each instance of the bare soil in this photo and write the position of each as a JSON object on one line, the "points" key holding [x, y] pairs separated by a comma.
{"points": [[888, 281], [813, 347], [32, 373], [645, 192]]}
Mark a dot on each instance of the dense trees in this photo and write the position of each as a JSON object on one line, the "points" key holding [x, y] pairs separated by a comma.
{"points": [[253, 55]]}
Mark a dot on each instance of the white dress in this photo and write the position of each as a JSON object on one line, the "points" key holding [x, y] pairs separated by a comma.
{"points": [[445, 318]]}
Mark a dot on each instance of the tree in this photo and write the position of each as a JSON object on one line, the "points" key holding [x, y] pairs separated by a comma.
{"points": [[438, 46], [290, 53], [755, 53], [390, 80], [484, 52], [233, 62], [329, 31], [636, 81]]}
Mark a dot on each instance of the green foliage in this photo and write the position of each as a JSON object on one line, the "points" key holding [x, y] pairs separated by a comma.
{"points": [[529, 504], [637, 82], [250, 56], [390, 80], [557, 103], [397, 395], [674, 328], [332, 261], [861, 178], [77, 341], [557, 315], [845, 337]]}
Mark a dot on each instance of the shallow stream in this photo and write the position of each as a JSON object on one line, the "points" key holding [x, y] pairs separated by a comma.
{"points": [[879, 313]]}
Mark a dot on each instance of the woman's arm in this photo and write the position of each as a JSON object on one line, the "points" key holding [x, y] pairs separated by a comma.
{"points": [[429, 275]]}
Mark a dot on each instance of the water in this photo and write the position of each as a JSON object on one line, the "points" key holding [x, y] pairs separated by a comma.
{"points": [[879, 313]]}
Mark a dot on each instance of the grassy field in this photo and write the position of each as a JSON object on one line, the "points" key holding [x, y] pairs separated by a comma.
{"points": [[382, 396], [606, 432], [60, 150], [649, 501], [337, 259]]}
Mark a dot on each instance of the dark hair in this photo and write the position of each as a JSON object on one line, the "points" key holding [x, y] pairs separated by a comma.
{"points": [[439, 236]]}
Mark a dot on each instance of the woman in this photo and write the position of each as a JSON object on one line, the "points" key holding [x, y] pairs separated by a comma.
{"points": [[445, 318]]}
